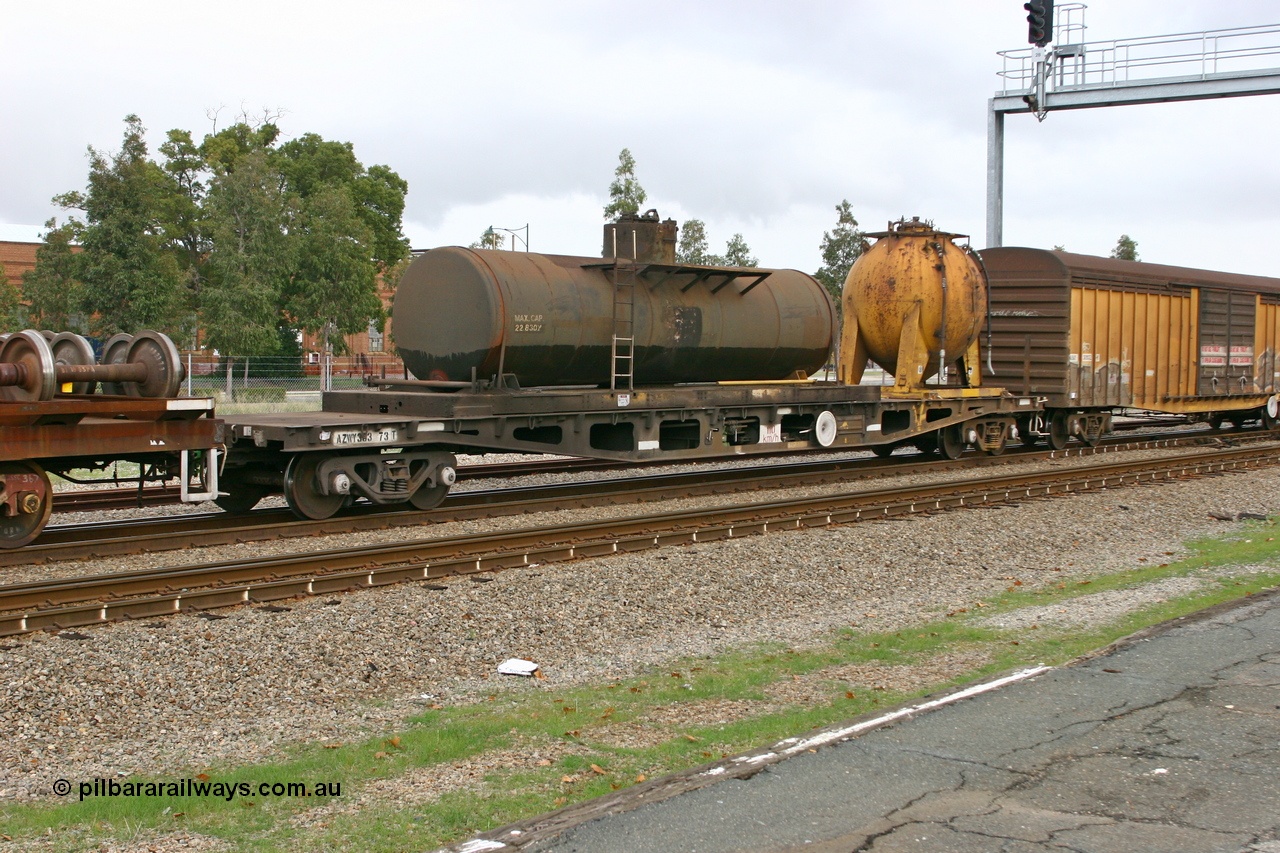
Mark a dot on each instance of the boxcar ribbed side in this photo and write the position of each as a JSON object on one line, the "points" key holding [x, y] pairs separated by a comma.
{"points": [[1092, 333]]}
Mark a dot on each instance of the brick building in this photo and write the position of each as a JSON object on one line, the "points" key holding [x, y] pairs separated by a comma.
{"points": [[16, 258]]}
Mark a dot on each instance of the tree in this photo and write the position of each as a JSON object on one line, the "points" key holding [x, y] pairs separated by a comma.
{"points": [[10, 307], [311, 164], [334, 285], [250, 240], [841, 247], [52, 289], [693, 248], [252, 256], [625, 193], [490, 239], [738, 254], [1126, 249], [130, 280], [349, 225], [182, 210]]}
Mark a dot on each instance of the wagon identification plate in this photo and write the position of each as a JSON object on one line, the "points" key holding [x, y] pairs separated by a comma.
{"points": [[385, 435]]}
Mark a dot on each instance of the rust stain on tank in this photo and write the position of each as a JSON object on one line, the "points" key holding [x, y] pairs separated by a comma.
{"points": [[913, 264]]}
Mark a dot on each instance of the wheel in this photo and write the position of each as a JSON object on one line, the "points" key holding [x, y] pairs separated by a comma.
{"points": [[431, 498], [927, 443], [240, 497], [164, 366], [1058, 431], [28, 500], [425, 497], [1271, 413], [115, 351], [29, 349], [300, 490], [1025, 435], [884, 451], [74, 351], [951, 441]]}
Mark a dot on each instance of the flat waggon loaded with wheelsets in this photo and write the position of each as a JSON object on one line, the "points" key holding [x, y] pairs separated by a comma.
{"points": [[52, 420]]}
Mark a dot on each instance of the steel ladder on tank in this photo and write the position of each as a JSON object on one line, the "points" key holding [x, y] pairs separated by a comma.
{"points": [[622, 371]]}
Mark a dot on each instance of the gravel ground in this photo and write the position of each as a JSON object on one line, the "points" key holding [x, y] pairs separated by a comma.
{"points": [[185, 694]]}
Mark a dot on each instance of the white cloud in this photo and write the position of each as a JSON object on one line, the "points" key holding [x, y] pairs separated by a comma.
{"points": [[754, 116]]}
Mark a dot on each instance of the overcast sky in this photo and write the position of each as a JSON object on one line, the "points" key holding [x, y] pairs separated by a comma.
{"points": [[756, 117]]}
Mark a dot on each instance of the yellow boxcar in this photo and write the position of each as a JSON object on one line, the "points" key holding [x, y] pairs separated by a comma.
{"points": [[1093, 335]]}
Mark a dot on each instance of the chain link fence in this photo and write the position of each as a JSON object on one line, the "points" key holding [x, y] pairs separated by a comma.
{"points": [[279, 384]]}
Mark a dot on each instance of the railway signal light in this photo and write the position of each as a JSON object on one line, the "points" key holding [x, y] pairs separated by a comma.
{"points": [[1039, 21]]}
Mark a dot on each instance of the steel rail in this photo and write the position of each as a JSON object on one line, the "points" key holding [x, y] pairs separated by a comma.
{"points": [[131, 497], [49, 605], [132, 536]]}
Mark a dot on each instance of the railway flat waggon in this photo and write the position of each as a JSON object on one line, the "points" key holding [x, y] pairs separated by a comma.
{"points": [[52, 421], [634, 356], [1095, 335]]}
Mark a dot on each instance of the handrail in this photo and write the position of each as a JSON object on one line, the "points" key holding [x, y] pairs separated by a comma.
{"points": [[1123, 61]]}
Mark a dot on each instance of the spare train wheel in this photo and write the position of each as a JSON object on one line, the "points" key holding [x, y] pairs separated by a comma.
{"points": [[825, 429]]}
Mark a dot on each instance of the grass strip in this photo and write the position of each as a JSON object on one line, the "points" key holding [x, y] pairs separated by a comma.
{"points": [[577, 731]]}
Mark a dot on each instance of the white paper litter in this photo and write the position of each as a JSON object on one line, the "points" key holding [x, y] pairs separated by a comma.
{"points": [[517, 666]]}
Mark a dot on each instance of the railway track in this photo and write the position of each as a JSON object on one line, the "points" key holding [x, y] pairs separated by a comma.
{"points": [[60, 604], [132, 497], [130, 536]]}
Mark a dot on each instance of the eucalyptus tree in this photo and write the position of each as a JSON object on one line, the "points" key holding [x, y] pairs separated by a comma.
{"points": [[625, 193]]}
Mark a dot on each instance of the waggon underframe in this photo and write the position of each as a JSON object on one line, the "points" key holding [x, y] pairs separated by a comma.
{"points": [[676, 422]]}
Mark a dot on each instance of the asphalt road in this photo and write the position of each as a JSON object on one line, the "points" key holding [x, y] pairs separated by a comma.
{"points": [[1169, 741]]}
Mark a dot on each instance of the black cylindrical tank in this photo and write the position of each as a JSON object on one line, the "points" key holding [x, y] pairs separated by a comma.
{"points": [[549, 320]]}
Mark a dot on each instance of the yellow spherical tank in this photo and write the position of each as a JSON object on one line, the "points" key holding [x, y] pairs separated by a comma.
{"points": [[911, 300]]}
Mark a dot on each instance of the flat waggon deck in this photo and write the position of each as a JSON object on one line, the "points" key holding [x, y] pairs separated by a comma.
{"points": [[98, 427], [682, 421]]}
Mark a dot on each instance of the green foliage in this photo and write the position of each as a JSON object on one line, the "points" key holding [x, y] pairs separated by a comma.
{"points": [[625, 193], [263, 394], [11, 315], [52, 289], [490, 239], [841, 247], [334, 283], [130, 281], [693, 248], [311, 165], [738, 254], [1126, 249], [247, 217], [248, 241]]}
